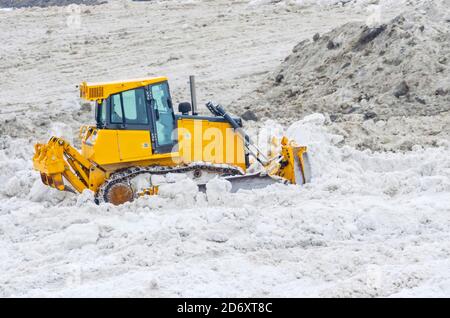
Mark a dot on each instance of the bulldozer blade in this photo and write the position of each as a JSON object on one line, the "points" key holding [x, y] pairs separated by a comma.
{"points": [[302, 172], [307, 168], [258, 180]]}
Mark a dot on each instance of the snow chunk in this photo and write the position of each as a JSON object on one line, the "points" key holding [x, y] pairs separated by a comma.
{"points": [[183, 191], [78, 235], [13, 187], [86, 197], [217, 237], [38, 191], [216, 190], [62, 130], [316, 119]]}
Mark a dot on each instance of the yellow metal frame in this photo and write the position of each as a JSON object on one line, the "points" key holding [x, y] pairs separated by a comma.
{"points": [[101, 90], [57, 159], [287, 167]]}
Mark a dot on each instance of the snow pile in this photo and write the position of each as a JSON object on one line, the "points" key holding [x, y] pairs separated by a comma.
{"points": [[421, 170], [370, 224], [337, 67], [368, 78]]}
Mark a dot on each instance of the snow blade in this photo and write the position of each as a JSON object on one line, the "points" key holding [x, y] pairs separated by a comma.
{"points": [[257, 180]]}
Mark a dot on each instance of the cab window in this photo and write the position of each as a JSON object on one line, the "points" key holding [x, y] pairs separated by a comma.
{"points": [[103, 112], [116, 109], [134, 107], [165, 121], [129, 107]]}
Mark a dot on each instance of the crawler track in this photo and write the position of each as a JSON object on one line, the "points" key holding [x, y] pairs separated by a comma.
{"points": [[125, 175]]}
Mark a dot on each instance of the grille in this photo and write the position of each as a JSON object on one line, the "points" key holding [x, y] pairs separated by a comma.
{"points": [[96, 92]]}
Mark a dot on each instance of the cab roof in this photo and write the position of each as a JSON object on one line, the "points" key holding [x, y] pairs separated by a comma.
{"points": [[102, 90]]}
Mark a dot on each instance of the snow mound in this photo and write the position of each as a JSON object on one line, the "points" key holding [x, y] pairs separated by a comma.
{"points": [[381, 85]]}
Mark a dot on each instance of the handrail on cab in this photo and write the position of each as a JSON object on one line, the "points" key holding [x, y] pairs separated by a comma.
{"points": [[84, 130]]}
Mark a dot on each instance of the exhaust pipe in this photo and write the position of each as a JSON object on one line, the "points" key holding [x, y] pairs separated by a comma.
{"points": [[193, 94]]}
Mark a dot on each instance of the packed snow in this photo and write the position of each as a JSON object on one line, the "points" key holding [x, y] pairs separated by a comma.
{"points": [[370, 224]]}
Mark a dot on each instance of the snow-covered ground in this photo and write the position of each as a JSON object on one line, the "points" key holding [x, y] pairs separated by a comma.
{"points": [[369, 224]]}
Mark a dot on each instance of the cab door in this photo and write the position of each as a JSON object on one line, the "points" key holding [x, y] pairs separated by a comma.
{"points": [[130, 120], [164, 137]]}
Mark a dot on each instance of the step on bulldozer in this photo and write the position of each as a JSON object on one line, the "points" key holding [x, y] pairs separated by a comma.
{"points": [[139, 143]]}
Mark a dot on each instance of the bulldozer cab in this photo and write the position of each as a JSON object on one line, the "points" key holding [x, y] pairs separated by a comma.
{"points": [[147, 108], [138, 132], [136, 123]]}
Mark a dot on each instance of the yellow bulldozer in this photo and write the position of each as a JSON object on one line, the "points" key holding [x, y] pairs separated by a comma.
{"points": [[138, 141]]}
